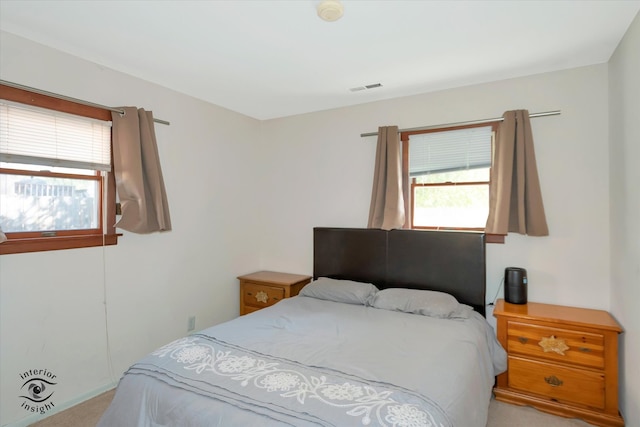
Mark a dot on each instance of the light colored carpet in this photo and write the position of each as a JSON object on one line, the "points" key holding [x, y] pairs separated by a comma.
{"points": [[506, 415], [501, 414], [85, 414]]}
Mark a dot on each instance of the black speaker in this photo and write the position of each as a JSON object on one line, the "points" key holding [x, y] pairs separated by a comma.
{"points": [[515, 285]]}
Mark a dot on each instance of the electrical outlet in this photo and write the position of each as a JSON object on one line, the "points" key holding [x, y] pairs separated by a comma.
{"points": [[192, 324]]}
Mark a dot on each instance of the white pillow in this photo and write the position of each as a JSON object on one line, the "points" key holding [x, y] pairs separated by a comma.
{"points": [[345, 291], [426, 303]]}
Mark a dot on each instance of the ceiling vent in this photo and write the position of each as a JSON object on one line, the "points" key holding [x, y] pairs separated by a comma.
{"points": [[365, 87]]}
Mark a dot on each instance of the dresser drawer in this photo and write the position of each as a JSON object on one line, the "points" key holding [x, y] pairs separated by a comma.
{"points": [[558, 383], [260, 296], [568, 346]]}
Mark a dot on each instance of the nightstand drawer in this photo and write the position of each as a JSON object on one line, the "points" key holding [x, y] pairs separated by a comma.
{"points": [[265, 288], [569, 346], [557, 383], [260, 296]]}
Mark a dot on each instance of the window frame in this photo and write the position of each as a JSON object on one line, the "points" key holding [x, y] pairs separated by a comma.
{"points": [[106, 234], [410, 183]]}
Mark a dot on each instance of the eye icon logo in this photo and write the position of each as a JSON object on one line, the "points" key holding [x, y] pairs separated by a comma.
{"points": [[37, 389]]}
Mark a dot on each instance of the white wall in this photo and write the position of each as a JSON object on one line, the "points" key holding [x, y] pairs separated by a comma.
{"points": [[246, 195], [624, 87], [51, 304], [323, 169]]}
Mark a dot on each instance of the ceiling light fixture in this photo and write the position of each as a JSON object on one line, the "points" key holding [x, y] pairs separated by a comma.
{"points": [[330, 10]]}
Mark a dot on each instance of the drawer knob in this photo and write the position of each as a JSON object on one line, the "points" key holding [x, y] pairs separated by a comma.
{"points": [[553, 381], [523, 340], [262, 297], [556, 345], [584, 349]]}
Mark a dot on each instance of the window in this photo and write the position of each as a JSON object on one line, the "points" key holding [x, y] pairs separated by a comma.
{"points": [[56, 186], [449, 171]]}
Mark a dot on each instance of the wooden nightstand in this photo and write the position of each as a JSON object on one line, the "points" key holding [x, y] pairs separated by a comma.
{"points": [[264, 288], [562, 360]]}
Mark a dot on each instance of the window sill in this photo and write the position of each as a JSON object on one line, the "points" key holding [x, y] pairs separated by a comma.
{"points": [[489, 238], [495, 238], [18, 246]]}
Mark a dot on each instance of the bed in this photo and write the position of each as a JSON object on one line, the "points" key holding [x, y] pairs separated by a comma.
{"points": [[389, 333]]}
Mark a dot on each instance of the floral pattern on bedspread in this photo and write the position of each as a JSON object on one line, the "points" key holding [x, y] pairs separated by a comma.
{"points": [[302, 390]]}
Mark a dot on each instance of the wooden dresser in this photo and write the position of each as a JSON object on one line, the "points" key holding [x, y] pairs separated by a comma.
{"points": [[562, 360], [264, 288]]}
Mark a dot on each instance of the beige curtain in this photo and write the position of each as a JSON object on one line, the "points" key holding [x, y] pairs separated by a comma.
{"points": [[139, 181], [387, 204], [515, 199]]}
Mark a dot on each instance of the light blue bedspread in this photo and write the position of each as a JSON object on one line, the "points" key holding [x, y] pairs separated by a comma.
{"points": [[283, 390], [309, 362]]}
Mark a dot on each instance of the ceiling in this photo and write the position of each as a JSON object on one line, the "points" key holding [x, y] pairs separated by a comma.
{"points": [[268, 59]]}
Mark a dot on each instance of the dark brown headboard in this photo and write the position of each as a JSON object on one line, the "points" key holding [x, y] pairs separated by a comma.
{"points": [[452, 262]]}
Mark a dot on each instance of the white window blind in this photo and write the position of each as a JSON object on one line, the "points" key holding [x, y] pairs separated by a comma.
{"points": [[40, 136], [450, 150]]}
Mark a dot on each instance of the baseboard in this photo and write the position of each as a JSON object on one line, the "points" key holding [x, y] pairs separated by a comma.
{"points": [[27, 421]]}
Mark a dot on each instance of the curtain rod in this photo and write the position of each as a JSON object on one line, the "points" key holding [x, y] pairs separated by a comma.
{"points": [[472, 122], [68, 98]]}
